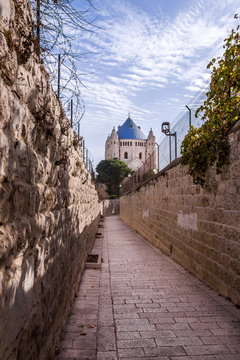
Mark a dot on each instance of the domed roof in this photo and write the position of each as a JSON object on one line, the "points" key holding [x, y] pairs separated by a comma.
{"points": [[129, 130]]}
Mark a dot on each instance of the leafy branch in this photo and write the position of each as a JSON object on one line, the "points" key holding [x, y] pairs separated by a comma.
{"points": [[204, 146]]}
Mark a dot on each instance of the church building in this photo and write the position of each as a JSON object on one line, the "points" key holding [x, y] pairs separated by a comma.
{"points": [[130, 145]]}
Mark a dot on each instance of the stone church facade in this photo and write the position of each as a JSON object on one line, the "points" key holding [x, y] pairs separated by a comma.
{"points": [[131, 145]]}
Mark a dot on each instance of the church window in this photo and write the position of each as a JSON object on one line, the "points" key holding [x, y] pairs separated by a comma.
{"points": [[114, 142], [138, 143], [130, 143], [120, 143], [125, 155], [135, 143], [140, 155]]}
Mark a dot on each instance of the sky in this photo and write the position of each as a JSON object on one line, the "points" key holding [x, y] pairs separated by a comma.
{"points": [[147, 58]]}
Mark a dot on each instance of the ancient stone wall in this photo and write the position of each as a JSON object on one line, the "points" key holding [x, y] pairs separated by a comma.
{"points": [[199, 228], [49, 208], [110, 207]]}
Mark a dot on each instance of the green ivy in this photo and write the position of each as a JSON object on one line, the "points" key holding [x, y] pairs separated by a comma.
{"points": [[204, 146]]}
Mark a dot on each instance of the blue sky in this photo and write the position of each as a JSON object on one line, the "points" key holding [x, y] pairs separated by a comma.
{"points": [[149, 58]]}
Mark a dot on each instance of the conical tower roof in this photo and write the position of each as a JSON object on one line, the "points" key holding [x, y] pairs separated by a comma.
{"points": [[129, 130]]}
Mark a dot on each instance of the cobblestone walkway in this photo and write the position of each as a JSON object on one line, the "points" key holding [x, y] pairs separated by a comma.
{"points": [[142, 305]]}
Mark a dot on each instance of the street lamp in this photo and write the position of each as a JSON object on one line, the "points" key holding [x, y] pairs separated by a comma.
{"points": [[166, 131], [158, 154], [190, 117]]}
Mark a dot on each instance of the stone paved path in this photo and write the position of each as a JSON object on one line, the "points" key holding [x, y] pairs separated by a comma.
{"points": [[142, 305]]}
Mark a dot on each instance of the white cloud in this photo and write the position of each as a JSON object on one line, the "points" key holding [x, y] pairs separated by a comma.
{"points": [[140, 54]]}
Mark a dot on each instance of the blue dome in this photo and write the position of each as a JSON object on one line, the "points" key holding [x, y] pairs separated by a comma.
{"points": [[129, 130]]}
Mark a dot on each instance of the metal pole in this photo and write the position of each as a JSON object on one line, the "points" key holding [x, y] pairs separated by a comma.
{"points": [[59, 65], [190, 117], [158, 154], [170, 149], [83, 150], [175, 135], [78, 130], [38, 17], [86, 157], [71, 108]]}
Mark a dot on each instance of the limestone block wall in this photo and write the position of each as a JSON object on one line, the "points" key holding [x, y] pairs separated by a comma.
{"points": [[49, 208], [110, 207], [199, 228]]}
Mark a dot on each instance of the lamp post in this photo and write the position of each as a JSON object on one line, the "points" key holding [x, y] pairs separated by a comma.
{"points": [[158, 154], [190, 116], [166, 131]]}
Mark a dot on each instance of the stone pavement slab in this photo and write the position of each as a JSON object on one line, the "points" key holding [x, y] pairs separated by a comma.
{"points": [[143, 305]]}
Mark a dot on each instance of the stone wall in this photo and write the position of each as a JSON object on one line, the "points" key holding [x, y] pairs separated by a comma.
{"points": [[110, 207], [49, 208], [199, 228]]}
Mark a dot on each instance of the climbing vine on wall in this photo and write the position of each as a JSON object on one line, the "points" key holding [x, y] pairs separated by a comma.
{"points": [[204, 146]]}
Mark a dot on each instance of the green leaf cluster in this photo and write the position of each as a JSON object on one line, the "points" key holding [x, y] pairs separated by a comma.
{"points": [[111, 173], [204, 146]]}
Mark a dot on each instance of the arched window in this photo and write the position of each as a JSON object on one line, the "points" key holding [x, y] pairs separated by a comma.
{"points": [[140, 155], [125, 155], [120, 143], [130, 143]]}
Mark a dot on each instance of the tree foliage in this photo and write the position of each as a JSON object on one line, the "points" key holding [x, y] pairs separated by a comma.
{"points": [[204, 146], [111, 173]]}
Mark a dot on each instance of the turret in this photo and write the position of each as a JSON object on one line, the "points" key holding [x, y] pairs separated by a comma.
{"points": [[112, 145], [150, 148]]}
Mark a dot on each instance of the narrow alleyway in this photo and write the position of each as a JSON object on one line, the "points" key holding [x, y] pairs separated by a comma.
{"points": [[142, 305]]}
